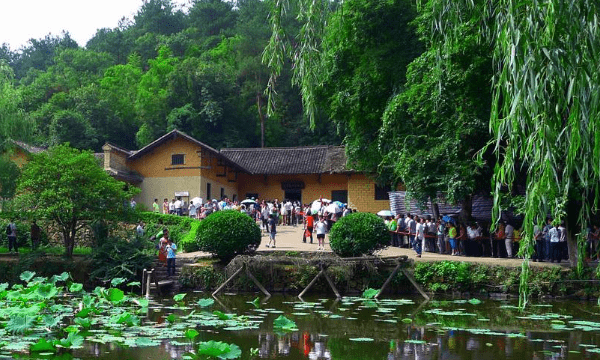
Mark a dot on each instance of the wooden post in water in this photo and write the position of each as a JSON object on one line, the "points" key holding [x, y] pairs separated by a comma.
{"points": [[236, 273], [389, 279], [415, 284], [256, 282], [329, 281]]}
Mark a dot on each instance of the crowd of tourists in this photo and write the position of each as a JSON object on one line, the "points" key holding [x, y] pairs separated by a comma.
{"points": [[448, 236]]}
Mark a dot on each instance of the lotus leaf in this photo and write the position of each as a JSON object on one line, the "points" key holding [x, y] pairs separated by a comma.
{"points": [[370, 293], [115, 295], [117, 281], [283, 323], [75, 287], [62, 277], [27, 276], [191, 333], [219, 349], [179, 297], [42, 345], [20, 324], [205, 302]]}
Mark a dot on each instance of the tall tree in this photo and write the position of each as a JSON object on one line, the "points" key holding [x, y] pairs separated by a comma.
{"points": [[158, 17], [15, 123], [434, 128], [367, 47], [39, 53], [152, 96], [66, 186], [545, 113]]}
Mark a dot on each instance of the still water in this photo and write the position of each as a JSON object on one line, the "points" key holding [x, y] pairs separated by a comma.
{"points": [[390, 329]]}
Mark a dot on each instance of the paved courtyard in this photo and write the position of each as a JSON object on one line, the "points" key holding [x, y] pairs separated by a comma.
{"points": [[289, 238]]}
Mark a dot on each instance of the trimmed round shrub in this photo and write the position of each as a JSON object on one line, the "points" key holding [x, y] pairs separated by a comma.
{"points": [[227, 234], [358, 234]]}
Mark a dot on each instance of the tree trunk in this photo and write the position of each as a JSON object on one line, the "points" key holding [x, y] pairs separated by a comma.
{"points": [[466, 210], [436, 210], [261, 116]]}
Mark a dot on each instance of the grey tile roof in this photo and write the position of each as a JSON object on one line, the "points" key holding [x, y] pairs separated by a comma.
{"points": [[291, 160], [29, 148]]}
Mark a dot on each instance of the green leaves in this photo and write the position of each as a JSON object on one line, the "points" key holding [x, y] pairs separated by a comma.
{"points": [[358, 234], [285, 324], [205, 302], [179, 297], [370, 293], [220, 350], [114, 295], [20, 324], [27, 276], [228, 233]]}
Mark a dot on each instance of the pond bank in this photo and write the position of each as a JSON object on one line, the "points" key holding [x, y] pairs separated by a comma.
{"points": [[290, 272]]}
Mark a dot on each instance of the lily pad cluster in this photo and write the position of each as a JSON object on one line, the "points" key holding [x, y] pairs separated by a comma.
{"points": [[51, 315]]}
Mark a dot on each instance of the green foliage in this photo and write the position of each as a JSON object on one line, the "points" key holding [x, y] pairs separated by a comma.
{"points": [[121, 258], [227, 234], [218, 349], [66, 186], [358, 234], [370, 293], [9, 173], [285, 324], [181, 228]]}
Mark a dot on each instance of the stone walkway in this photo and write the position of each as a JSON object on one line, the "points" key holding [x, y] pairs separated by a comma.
{"points": [[289, 238]]}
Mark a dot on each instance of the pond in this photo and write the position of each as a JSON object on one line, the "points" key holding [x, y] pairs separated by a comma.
{"points": [[44, 320]]}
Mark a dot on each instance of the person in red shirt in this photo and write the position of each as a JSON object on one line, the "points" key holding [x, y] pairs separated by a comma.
{"points": [[309, 223]]}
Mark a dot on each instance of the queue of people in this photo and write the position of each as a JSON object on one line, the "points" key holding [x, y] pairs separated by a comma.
{"points": [[422, 233]]}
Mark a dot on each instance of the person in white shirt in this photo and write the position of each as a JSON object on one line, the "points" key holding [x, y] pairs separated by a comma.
{"points": [[562, 241], [172, 207], [508, 242], [192, 210], [321, 228], [420, 234], [177, 206], [555, 235]]}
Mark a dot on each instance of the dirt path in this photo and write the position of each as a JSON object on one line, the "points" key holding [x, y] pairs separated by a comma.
{"points": [[289, 238]]}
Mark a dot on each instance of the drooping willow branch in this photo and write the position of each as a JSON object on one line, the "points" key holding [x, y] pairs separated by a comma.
{"points": [[304, 51], [545, 115]]}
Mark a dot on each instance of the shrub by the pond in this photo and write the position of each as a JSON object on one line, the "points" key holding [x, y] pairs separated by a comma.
{"points": [[358, 234], [227, 234]]}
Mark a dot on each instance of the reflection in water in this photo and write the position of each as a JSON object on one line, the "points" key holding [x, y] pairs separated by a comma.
{"points": [[421, 343], [490, 330], [311, 346]]}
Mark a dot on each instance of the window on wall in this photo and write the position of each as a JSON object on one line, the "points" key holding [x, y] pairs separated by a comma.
{"points": [[222, 193], [177, 159], [339, 195], [382, 192], [208, 192]]}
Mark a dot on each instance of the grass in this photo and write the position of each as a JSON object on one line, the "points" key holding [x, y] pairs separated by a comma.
{"points": [[51, 250]]}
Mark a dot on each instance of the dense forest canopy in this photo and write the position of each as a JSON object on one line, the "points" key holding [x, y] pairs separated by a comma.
{"points": [[199, 71]]}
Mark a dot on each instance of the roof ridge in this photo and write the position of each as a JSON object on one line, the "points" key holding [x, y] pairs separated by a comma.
{"points": [[282, 148]]}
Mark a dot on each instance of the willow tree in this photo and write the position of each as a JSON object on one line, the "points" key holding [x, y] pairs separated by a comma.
{"points": [[546, 105]]}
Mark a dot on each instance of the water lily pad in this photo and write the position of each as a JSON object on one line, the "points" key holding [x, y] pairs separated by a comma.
{"points": [[362, 339]]}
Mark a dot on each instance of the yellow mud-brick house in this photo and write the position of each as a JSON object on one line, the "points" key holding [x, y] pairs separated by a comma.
{"points": [[177, 165]]}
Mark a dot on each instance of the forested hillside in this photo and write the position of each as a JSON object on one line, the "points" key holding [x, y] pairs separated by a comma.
{"points": [[198, 70]]}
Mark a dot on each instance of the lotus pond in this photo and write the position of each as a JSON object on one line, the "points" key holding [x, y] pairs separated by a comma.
{"points": [[56, 319]]}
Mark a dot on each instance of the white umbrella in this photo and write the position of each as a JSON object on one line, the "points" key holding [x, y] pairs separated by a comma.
{"points": [[385, 213], [316, 206], [197, 201], [333, 208], [248, 201]]}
